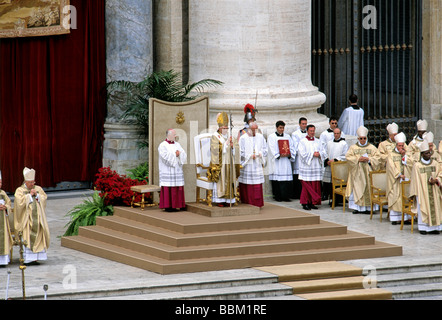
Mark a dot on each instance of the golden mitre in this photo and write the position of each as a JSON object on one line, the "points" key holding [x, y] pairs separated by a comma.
{"points": [[222, 119]]}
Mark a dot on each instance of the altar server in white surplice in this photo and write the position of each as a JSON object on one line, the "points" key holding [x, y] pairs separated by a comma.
{"points": [[280, 167], [329, 134], [312, 156], [172, 157], [297, 135], [352, 117], [336, 150], [253, 151]]}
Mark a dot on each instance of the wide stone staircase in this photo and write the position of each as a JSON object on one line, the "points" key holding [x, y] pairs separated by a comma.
{"points": [[180, 242], [409, 280]]}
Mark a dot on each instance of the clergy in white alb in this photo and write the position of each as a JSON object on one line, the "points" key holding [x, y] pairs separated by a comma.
{"points": [[280, 164], [352, 117], [329, 134], [336, 150], [224, 163], [30, 218], [253, 152], [5, 230], [386, 146], [362, 158], [425, 182], [171, 159], [398, 169], [296, 136], [312, 155]]}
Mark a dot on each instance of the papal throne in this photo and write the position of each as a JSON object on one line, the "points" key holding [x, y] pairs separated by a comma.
{"points": [[202, 163]]}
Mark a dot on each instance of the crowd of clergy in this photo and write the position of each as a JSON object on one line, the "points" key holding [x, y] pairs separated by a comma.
{"points": [[298, 166], [30, 226]]}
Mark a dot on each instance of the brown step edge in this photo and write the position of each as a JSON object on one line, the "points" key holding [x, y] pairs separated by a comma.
{"points": [[188, 222], [177, 239], [126, 241], [326, 285], [162, 266], [357, 294], [309, 271]]}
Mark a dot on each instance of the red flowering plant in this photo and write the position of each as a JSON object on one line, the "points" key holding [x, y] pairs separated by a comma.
{"points": [[116, 187]]}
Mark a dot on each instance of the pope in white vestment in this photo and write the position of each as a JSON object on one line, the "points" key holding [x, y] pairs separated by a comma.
{"points": [[30, 218], [224, 163], [171, 159], [253, 152], [280, 167]]}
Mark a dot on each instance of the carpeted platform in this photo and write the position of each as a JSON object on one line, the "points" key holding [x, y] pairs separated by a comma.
{"points": [[186, 241]]}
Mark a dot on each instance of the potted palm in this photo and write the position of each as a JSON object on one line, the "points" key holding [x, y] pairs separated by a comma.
{"points": [[163, 85]]}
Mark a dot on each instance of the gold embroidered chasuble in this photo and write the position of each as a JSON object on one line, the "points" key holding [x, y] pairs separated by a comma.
{"points": [[429, 196], [30, 218], [220, 170], [359, 172], [394, 169], [5, 232]]}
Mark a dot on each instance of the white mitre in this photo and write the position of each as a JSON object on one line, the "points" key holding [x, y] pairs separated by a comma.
{"points": [[393, 128], [423, 146], [422, 125], [400, 138], [29, 174], [429, 137], [362, 131]]}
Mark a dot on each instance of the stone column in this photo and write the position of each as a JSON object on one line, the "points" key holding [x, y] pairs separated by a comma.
{"points": [[255, 46], [129, 57], [432, 66]]}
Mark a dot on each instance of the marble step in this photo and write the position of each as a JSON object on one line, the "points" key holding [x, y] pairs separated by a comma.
{"points": [[165, 286], [225, 293]]}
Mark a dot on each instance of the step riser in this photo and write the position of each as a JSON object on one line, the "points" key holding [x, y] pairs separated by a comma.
{"points": [[210, 226], [408, 269], [234, 263], [198, 253], [212, 239], [409, 282], [417, 294]]}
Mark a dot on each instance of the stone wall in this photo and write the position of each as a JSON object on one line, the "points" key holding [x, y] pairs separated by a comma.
{"points": [[432, 66]]}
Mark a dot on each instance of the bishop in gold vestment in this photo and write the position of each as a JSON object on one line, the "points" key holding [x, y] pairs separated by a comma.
{"points": [[30, 218], [5, 232], [399, 165], [362, 158], [425, 182]]}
